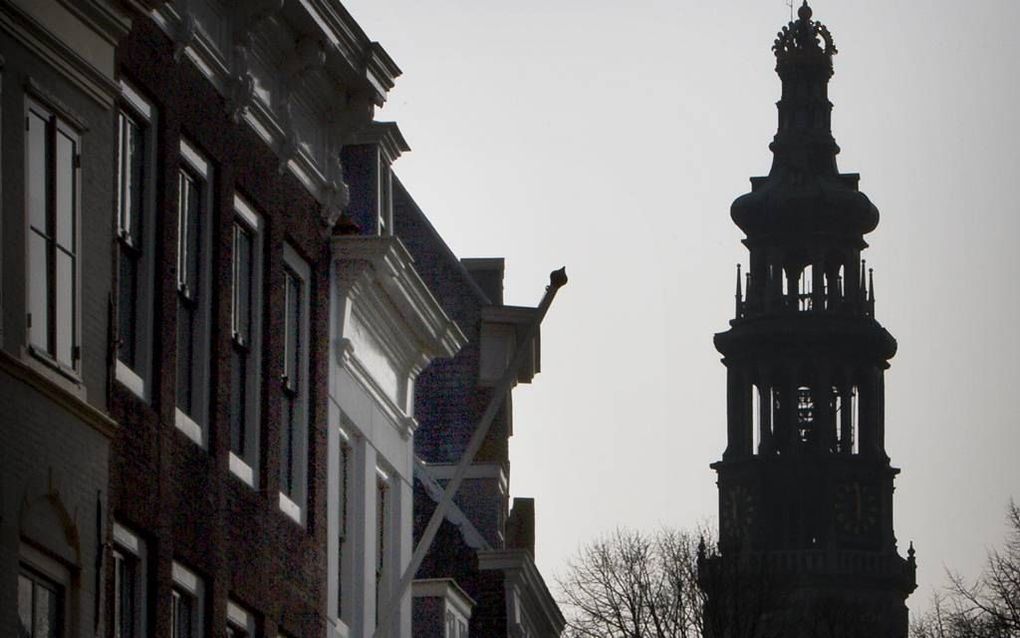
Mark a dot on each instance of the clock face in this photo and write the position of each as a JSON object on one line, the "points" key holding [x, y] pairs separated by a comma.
{"points": [[736, 510], [857, 508]]}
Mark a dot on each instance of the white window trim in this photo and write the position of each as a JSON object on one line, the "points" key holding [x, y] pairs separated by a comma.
{"points": [[131, 380], [244, 468], [289, 506], [188, 583], [291, 509], [128, 543], [195, 160], [192, 430], [240, 619], [135, 381], [126, 539], [240, 469], [197, 163]]}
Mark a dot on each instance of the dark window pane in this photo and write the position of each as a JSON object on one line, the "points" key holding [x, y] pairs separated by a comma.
{"points": [[242, 283], [182, 228], [37, 172], [124, 603], [127, 308], [380, 555], [182, 610], [38, 290], [184, 357], [24, 606], [42, 614], [344, 462], [194, 236], [64, 315], [131, 172], [188, 242], [287, 446], [65, 189], [292, 337], [238, 412], [47, 612]]}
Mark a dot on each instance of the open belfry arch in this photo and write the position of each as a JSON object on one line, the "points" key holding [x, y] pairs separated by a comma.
{"points": [[806, 542]]}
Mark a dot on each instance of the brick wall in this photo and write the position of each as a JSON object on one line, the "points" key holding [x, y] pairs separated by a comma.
{"points": [[180, 497]]}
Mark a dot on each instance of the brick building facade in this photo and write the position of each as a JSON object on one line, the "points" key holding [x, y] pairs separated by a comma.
{"points": [[57, 99], [480, 572], [212, 333]]}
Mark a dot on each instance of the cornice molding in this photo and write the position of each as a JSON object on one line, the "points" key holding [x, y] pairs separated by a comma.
{"points": [[522, 574], [385, 135], [447, 589], [301, 73], [390, 266], [387, 327]]}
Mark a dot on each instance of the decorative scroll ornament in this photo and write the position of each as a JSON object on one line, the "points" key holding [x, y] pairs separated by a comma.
{"points": [[308, 55], [240, 87], [804, 36]]}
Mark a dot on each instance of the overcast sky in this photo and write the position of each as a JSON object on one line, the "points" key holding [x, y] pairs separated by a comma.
{"points": [[612, 137]]}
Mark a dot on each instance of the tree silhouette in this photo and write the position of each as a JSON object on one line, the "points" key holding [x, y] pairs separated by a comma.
{"points": [[988, 608], [635, 585]]}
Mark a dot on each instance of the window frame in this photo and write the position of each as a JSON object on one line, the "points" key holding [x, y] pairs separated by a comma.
{"points": [[40, 580], [56, 122], [293, 503], [128, 546], [246, 465], [33, 562], [195, 166], [187, 584], [139, 377]]}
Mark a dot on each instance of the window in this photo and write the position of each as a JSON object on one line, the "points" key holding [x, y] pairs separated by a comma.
{"points": [[382, 538], [135, 239], [240, 623], [385, 196], [246, 341], [40, 606], [52, 169], [343, 509], [294, 385], [186, 604], [194, 212], [129, 580]]}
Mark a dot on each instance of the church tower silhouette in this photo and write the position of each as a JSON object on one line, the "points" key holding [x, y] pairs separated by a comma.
{"points": [[806, 544]]}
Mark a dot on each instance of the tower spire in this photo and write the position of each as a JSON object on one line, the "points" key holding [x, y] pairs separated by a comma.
{"points": [[805, 361], [804, 185]]}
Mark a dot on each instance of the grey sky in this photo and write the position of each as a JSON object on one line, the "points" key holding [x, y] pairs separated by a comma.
{"points": [[611, 137]]}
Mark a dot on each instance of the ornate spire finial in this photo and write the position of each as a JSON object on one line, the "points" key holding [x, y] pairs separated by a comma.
{"points": [[804, 36], [804, 12]]}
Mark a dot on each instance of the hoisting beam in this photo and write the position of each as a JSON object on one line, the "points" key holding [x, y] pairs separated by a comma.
{"points": [[557, 279]]}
